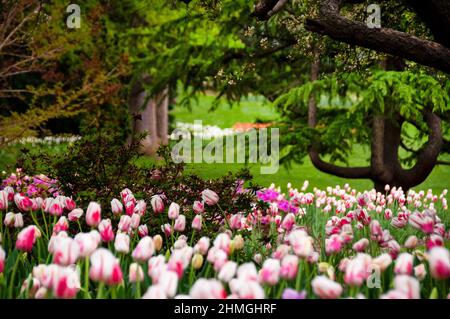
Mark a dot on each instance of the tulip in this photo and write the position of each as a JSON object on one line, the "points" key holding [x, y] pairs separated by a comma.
{"points": [[406, 287], [140, 208], [235, 221], [382, 262], [124, 193], [198, 207], [56, 207], [227, 271], [246, 289], [169, 283], [361, 245], [197, 222], [65, 251], [174, 210], [155, 292], [422, 222], [257, 258], [270, 271], [66, 283], [122, 243], [142, 230], [167, 229], [61, 225], [290, 293], [247, 272], [439, 260], [129, 207], [207, 289], [105, 267], [23, 203], [87, 242], [75, 214], [357, 270], [334, 244], [434, 241], [3, 200], [404, 264], [289, 267], [180, 223], [116, 207], [144, 249], [27, 237], [157, 204], [135, 221], [325, 288], [238, 242], [301, 243], [2, 259], [210, 197], [106, 231], [223, 242], [156, 265], [420, 272], [197, 261], [136, 274], [10, 219], [202, 246], [157, 241], [31, 286], [93, 214], [411, 242]]}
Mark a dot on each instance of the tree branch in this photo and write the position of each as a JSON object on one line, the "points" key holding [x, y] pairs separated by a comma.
{"points": [[386, 40], [264, 9]]}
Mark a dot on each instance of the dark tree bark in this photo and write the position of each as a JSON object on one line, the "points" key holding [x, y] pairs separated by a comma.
{"points": [[386, 40]]}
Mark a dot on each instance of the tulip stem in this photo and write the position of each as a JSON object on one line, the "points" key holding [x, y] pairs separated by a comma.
{"points": [[299, 277], [11, 282], [45, 223], [225, 217], [37, 225], [138, 289], [100, 290], [86, 278]]}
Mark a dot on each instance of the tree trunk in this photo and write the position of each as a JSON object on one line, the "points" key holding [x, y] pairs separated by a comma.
{"points": [[149, 115]]}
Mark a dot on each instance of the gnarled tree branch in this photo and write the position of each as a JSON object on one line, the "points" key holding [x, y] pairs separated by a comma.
{"points": [[386, 40]]}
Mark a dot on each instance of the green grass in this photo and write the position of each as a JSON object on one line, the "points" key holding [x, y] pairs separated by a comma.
{"points": [[252, 110]]}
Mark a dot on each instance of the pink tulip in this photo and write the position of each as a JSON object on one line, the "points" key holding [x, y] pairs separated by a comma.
{"points": [[420, 272], [326, 288], [405, 287], [202, 246], [75, 214], [124, 193], [439, 260], [207, 289], [434, 241], [124, 223], [144, 249], [167, 229], [18, 220], [122, 243], [422, 222], [197, 222], [157, 204], [246, 289], [156, 266], [66, 251], [129, 207], [235, 221], [135, 221], [333, 245], [61, 225], [227, 271], [69, 203], [22, 202], [106, 231], [93, 214], [174, 210], [301, 243], [169, 283], [136, 274], [223, 242], [105, 267], [116, 207], [198, 207], [3, 200], [289, 267], [288, 222], [404, 264], [155, 292], [210, 197], [27, 237], [270, 271], [87, 242], [10, 219], [142, 231], [56, 207], [2, 259], [357, 270], [411, 242], [140, 208], [376, 232], [180, 223], [66, 283], [361, 245]]}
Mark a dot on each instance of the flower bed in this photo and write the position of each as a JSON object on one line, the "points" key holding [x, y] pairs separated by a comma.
{"points": [[333, 243]]}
